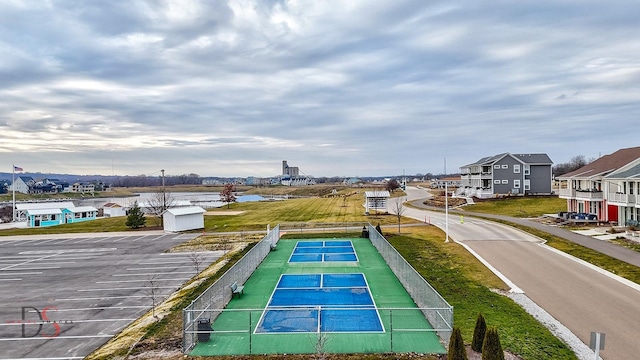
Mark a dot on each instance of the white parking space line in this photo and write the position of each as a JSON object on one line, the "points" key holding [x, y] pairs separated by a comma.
{"points": [[130, 281], [19, 273], [41, 338], [165, 262], [106, 297], [104, 308], [157, 273], [36, 268], [17, 279], [27, 262], [125, 288], [160, 268]]}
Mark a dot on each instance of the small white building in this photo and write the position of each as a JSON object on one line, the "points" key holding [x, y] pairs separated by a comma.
{"points": [[376, 200], [183, 218], [113, 210]]}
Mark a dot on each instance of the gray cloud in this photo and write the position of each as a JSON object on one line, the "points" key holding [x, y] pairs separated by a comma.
{"points": [[336, 88]]}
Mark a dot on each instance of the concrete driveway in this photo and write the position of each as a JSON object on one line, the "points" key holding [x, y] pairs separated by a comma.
{"points": [[582, 297]]}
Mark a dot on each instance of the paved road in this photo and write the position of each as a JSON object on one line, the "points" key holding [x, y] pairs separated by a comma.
{"points": [[90, 285], [579, 296]]}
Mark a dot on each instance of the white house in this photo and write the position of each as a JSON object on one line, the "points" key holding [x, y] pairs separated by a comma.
{"points": [[22, 184], [113, 210], [183, 218]]}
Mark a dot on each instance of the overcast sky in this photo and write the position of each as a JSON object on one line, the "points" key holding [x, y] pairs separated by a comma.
{"points": [[337, 88]]}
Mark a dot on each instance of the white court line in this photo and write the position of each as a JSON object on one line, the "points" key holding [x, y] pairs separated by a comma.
{"points": [[126, 288], [129, 281], [158, 273]]}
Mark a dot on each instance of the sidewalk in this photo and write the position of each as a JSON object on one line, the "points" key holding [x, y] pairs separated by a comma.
{"points": [[615, 251]]}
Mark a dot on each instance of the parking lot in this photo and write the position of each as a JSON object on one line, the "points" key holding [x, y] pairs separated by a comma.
{"points": [[63, 296]]}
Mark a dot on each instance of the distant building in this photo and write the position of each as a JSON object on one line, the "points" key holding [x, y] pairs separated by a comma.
{"points": [[291, 176], [507, 174], [289, 170], [22, 184]]}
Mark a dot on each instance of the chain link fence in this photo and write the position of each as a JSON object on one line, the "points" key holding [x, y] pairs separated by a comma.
{"points": [[218, 295], [405, 331], [210, 304], [423, 294]]}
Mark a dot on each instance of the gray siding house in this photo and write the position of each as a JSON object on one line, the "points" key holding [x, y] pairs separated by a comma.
{"points": [[507, 174]]}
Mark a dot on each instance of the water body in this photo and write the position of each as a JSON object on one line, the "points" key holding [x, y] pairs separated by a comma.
{"points": [[202, 199]]}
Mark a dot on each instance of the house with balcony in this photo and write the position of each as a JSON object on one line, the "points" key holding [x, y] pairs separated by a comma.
{"points": [[623, 193], [606, 187], [507, 174]]}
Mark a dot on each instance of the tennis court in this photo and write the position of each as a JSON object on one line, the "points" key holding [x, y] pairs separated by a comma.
{"points": [[297, 307], [320, 303], [323, 251]]}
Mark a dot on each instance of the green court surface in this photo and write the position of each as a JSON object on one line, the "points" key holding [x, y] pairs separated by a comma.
{"points": [[406, 329]]}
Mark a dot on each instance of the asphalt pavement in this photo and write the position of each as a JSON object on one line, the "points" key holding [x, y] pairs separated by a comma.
{"points": [[62, 296], [580, 296]]}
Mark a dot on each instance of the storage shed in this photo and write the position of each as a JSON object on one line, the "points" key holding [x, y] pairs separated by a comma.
{"points": [[113, 210], [183, 218], [376, 200]]}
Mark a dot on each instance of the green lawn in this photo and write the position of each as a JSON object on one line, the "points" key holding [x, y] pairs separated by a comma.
{"points": [[523, 207]]}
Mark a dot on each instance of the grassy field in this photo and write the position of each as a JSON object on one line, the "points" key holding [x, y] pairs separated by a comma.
{"points": [[344, 208], [256, 216], [522, 207], [467, 285]]}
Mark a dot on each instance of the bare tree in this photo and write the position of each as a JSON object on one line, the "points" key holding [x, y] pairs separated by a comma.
{"points": [[196, 259], [227, 195], [153, 292], [158, 203], [399, 209]]}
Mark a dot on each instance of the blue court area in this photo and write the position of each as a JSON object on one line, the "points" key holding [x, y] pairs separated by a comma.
{"points": [[323, 251], [320, 303]]}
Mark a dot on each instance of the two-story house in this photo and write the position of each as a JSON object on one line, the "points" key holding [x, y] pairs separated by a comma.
{"points": [[22, 184], [507, 174], [606, 187]]}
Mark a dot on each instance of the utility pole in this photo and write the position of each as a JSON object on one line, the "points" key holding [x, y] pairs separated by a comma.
{"points": [[164, 194], [446, 203]]}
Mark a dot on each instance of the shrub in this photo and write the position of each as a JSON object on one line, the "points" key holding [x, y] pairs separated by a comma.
{"points": [[456, 346], [478, 334], [379, 229], [136, 218], [491, 348]]}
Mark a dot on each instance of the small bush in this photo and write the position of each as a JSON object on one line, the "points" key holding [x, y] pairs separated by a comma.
{"points": [[491, 348], [456, 346], [478, 334]]}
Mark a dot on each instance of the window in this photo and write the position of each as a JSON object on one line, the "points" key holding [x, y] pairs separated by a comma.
{"points": [[505, 166], [516, 184], [496, 181], [527, 169], [516, 169], [527, 184], [496, 166], [505, 182]]}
